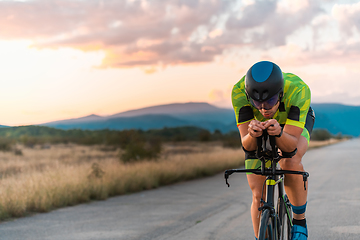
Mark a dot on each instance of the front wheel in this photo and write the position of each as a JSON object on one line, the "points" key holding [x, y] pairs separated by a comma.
{"points": [[267, 230], [285, 217]]}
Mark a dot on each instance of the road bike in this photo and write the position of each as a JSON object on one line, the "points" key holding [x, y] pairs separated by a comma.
{"points": [[276, 217]]}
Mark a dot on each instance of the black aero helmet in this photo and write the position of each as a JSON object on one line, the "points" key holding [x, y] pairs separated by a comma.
{"points": [[264, 80]]}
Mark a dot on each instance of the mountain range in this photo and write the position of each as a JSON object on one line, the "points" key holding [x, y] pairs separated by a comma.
{"points": [[197, 114], [330, 116]]}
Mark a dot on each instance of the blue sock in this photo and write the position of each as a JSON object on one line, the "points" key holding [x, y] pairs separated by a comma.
{"points": [[299, 209]]}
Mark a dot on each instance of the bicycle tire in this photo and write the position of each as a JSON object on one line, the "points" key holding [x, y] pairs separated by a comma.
{"points": [[267, 230], [284, 216]]}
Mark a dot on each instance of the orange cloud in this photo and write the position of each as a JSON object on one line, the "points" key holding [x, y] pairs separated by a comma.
{"points": [[117, 58]]}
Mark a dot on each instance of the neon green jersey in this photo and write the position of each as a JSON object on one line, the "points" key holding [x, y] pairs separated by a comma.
{"points": [[292, 110]]}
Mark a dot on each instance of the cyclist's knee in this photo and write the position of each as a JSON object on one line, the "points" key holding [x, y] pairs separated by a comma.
{"points": [[293, 163], [256, 184], [256, 196]]}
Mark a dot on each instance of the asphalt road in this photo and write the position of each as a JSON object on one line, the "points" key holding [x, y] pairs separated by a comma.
{"points": [[206, 208]]}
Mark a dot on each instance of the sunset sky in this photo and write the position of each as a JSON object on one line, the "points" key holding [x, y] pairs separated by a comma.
{"points": [[63, 59]]}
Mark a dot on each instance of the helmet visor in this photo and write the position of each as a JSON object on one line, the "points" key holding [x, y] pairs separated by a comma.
{"points": [[267, 105]]}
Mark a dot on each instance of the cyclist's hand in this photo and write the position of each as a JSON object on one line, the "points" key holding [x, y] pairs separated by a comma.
{"points": [[273, 127], [255, 128]]}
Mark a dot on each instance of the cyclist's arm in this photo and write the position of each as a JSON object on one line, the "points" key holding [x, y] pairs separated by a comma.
{"points": [[249, 131], [289, 139]]}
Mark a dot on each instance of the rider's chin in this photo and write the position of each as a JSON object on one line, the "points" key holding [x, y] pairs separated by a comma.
{"points": [[267, 115]]}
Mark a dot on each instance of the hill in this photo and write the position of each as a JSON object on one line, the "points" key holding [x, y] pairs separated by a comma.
{"points": [[333, 117], [144, 122], [337, 118], [201, 115]]}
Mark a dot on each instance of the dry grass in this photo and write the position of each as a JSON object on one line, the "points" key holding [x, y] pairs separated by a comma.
{"points": [[43, 179], [316, 144]]}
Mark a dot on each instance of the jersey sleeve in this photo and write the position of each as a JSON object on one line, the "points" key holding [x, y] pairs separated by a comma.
{"points": [[299, 106], [242, 109]]}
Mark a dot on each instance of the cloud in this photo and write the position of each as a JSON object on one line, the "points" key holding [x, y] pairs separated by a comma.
{"points": [[348, 17], [337, 54], [137, 33], [267, 23], [338, 97], [143, 33]]}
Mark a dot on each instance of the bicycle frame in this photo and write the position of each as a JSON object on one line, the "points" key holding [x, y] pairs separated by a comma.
{"points": [[273, 176]]}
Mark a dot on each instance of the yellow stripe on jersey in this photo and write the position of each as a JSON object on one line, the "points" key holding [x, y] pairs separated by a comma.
{"points": [[295, 123], [291, 94], [237, 90], [239, 95], [303, 93], [306, 105]]}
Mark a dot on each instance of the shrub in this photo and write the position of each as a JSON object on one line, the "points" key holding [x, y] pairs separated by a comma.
{"points": [[217, 135], [179, 137], [129, 137], [96, 172], [5, 144], [204, 136], [232, 140], [320, 135], [139, 150], [30, 141], [18, 152]]}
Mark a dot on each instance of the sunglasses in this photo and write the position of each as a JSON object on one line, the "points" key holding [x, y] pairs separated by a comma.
{"points": [[267, 105]]}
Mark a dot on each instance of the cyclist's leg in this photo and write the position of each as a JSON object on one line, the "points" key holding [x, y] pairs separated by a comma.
{"points": [[256, 183], [294, 185]]}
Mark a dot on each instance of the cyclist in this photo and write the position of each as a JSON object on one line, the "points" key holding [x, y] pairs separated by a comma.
{"points": [[267, 98]]}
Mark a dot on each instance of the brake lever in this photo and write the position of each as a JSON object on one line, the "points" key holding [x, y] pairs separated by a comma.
{"points": [[305, 177], [226, 175]]}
